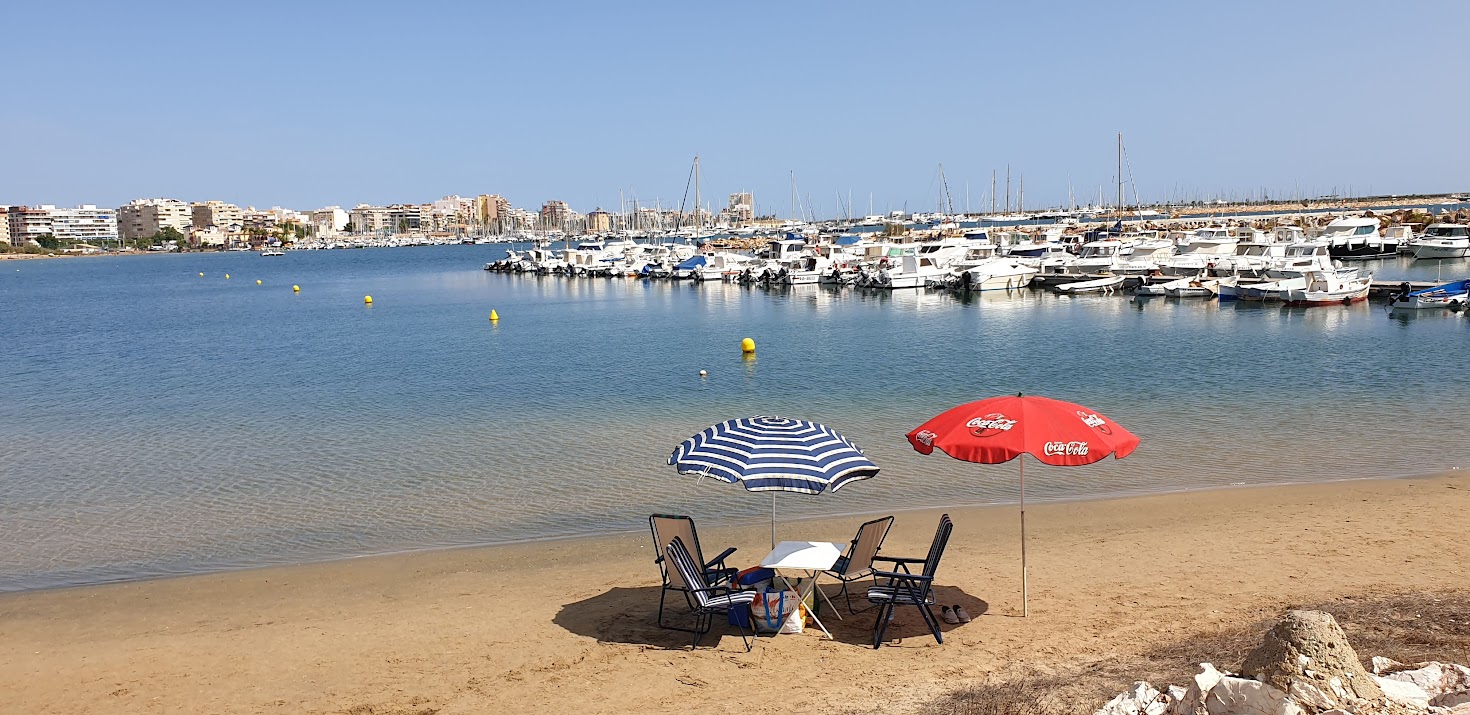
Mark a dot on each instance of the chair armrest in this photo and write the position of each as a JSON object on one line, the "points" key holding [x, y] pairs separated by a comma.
{"points": [[898, 559], [895, 575], [721, 558]]}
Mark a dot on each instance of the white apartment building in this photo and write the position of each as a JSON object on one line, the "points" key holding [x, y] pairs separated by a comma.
{"points": [[5, 225], [27, 223], [330, 219], [142, 218], [84, 223], [370, 219]]}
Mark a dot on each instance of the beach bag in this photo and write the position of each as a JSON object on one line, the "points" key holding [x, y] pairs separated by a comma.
{"points": [[778, 611]]}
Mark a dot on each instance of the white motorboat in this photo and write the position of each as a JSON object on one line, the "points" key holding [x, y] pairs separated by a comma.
{"points": [[1442, 241], [1096, 285], [1191, 288], [1358, 239], [273, 252], [1329, 288], [919, 264], [997, 274], [1452, 296]]}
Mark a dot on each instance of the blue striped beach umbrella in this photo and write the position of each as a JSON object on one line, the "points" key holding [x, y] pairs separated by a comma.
{"points": [[774, 454]]}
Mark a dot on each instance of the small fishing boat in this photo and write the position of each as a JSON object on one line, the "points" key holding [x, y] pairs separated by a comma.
{"points": [[1228, 288], [1096, 285], [272, 252], [1165, 287], [1450, 295], [997, 274], [1328, 288]]}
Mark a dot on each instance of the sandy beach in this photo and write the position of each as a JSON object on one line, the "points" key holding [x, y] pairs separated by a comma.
{"points": [[567, 626]]}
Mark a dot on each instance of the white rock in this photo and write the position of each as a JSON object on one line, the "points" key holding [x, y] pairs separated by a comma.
{"points": [[1382, 665], [1239, 696], [1435, 678], [1141, 699], [1403, 692], [1193, 700]]}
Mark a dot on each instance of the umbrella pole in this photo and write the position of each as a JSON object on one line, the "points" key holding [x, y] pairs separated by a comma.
{"points": [[773, 520], [1025, 606]]}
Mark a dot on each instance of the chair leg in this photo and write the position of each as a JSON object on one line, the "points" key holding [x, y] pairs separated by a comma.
{"points": [[748, 643], [661, 623], [931, 621], [881, 625], [702, 625]]}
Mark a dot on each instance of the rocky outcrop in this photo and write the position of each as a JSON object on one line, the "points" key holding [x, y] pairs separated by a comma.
{"points": [[1305, 666]]}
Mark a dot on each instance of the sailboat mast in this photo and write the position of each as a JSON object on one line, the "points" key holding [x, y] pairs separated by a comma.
{"points": [[696, 197], [1120, 175], [992, 192], [1008, 189]]}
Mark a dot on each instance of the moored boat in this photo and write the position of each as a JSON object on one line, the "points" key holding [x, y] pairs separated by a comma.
{"points": [[1328, 288], [1106, 284], [1452, 296], [1443, 240]]}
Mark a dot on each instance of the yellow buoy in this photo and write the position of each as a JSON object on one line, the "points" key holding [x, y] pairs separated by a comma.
{"points": [[201, 275], [295, 289], [367, 299], [747, 346], [227, 276], [494, 316], [257, 281]]}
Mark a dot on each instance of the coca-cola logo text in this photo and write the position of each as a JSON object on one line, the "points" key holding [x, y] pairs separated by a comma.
{"points": [[1052, 449], [991, 424], [1092, 420], [926, 438]]}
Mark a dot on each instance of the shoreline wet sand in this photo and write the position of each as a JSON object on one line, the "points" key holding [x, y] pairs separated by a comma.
{"points": [[568, 624]]}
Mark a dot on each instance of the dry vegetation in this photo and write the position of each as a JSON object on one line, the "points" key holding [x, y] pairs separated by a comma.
{"points": [[1406, 627]]}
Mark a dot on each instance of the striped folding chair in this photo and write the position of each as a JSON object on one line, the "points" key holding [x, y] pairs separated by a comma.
{"points": [[705, 600], [666, 528], [902, 587]]}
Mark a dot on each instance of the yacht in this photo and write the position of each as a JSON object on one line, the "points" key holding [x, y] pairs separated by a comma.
{"points": [[996, 274], [1358, 239], [272, 252], [1441, 240]]}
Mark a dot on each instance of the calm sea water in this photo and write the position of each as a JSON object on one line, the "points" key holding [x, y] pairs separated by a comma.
{"points": [[157, 423]]}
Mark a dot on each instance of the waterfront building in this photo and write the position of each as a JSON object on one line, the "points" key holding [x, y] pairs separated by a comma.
{"points": [[599, 221], [217, 213], [84, 223], [555, 214], [370, 219], [518, 219], [491, 209], [5, 225], [330, 219], [452, 213], [28, 223], [143, 218], [410, 217], [740, 210]]}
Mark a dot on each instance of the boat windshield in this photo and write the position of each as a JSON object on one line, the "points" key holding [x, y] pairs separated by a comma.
{"points": [[1446, 232]]}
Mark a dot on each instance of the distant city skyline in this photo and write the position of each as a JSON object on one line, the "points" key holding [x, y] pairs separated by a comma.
{"points": [[333, 104]]}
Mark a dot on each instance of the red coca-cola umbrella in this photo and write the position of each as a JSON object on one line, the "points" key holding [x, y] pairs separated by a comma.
{"points": [[999, 429]]}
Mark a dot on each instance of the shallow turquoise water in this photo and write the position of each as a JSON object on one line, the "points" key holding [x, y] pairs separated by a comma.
{"points": [[160, 423]]}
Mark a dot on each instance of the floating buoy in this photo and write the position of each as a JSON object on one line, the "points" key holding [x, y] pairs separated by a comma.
{"points": [[367, 300], [227, 276], [295, 289], [257, 281], [703, 373], [747, 346], [201, 275], [494, 316]]}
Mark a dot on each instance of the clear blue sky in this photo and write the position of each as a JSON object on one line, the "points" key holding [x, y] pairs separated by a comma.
{"points": [[306, 104]]}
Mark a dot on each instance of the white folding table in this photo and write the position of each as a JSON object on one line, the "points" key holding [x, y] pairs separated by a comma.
{"points": [[810, 558]]}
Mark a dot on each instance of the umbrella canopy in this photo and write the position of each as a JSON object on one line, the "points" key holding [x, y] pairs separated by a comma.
{"points": [[774, 454], [999, 429]]}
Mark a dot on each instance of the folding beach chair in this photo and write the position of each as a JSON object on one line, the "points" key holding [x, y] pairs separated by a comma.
{"points": [[706, 600], [857, 563], [666, 528], [902, 587]]}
